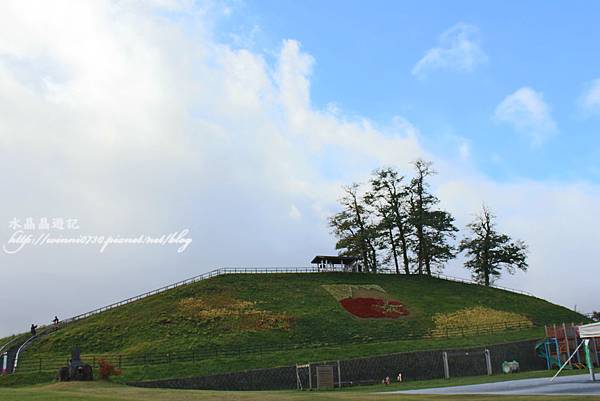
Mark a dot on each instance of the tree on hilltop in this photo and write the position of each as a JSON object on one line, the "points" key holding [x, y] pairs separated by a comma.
{"points": [[433, 229], [355, 230], [490, 252], [391, 198]]}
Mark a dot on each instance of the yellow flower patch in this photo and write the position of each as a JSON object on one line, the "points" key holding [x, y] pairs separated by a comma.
{"points": [[477, 318], [238, 314]]}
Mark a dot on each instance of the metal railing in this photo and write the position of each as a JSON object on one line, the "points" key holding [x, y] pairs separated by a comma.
{"points": [[125, 360], [21, 349], [5, 346], [224, 271], [468, 281], [204, 276], [219, 272], [252, 270]]}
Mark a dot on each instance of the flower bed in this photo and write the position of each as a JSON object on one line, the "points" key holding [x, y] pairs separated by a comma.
{"points": [[374, 308]]}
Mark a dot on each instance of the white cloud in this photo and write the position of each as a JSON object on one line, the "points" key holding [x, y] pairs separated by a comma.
{"points": [[464, 150], [126, 120], [295, 213], [590, 99], [133, 124], [458, 49], [527, 112]]}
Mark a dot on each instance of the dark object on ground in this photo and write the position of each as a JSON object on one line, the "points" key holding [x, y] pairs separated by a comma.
{"points": [[77, 370]]}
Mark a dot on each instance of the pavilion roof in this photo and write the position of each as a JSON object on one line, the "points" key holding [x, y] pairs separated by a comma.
{"points": [[336, 259]]}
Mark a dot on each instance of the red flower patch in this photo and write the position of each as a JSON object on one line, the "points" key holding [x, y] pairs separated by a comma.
{"points": [[374, 308]]}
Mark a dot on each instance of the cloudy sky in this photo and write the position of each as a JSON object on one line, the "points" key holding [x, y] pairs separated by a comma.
{"points": [[239, 121]]}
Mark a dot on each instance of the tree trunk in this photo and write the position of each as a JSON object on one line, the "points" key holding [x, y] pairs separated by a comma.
{"points": [[402, 233], [394, 252], [374, 257], [427, 263], [487, 269]]}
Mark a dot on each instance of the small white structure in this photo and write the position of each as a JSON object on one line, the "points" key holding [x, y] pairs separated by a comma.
{"points": [[589, 330]]}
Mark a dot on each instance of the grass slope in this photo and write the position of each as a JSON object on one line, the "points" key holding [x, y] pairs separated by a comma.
{"points": [[287, 309]]}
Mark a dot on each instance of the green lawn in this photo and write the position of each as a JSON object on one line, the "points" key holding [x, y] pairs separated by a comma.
{"points": [[271, 359], [288, 309], [115, 392]]}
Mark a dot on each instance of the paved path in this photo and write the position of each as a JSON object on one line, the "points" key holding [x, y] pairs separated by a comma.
{"points": [[563, 385]]}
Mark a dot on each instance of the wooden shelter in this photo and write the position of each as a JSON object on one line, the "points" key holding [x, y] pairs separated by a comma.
{"points": [[335, 263]]}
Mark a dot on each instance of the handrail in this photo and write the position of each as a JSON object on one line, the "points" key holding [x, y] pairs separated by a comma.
{"points": [[468, 281], [21, 348], [204, 276], [2, 348], [248, 270]]}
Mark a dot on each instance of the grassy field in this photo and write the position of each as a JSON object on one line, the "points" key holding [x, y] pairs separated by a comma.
{"points": [[281, 310], [116, 392], [271, 359]]}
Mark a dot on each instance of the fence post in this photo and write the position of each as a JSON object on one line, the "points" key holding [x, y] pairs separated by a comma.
{"points": [[40, 364], [446, 367], [119, 361], [339, 374], [488, 361]]}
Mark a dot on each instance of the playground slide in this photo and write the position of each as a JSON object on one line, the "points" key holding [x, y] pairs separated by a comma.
{"points": [[540, 350]]}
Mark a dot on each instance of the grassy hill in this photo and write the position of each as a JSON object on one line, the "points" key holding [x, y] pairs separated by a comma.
{"points": [[238, 311]]}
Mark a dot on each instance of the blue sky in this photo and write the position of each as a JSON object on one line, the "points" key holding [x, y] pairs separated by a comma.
{"points": [[241, 121], [365, 52]]}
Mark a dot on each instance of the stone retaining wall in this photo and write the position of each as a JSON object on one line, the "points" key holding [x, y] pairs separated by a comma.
{"points": [[422, 365]]}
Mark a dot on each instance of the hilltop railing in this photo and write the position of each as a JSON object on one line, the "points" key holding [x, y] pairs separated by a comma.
{"points": [[223, 271], [256, 270], [200, 277], [259, 270]]}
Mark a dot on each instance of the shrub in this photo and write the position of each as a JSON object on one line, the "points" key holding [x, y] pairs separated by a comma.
{"points": [[106, 369]]}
